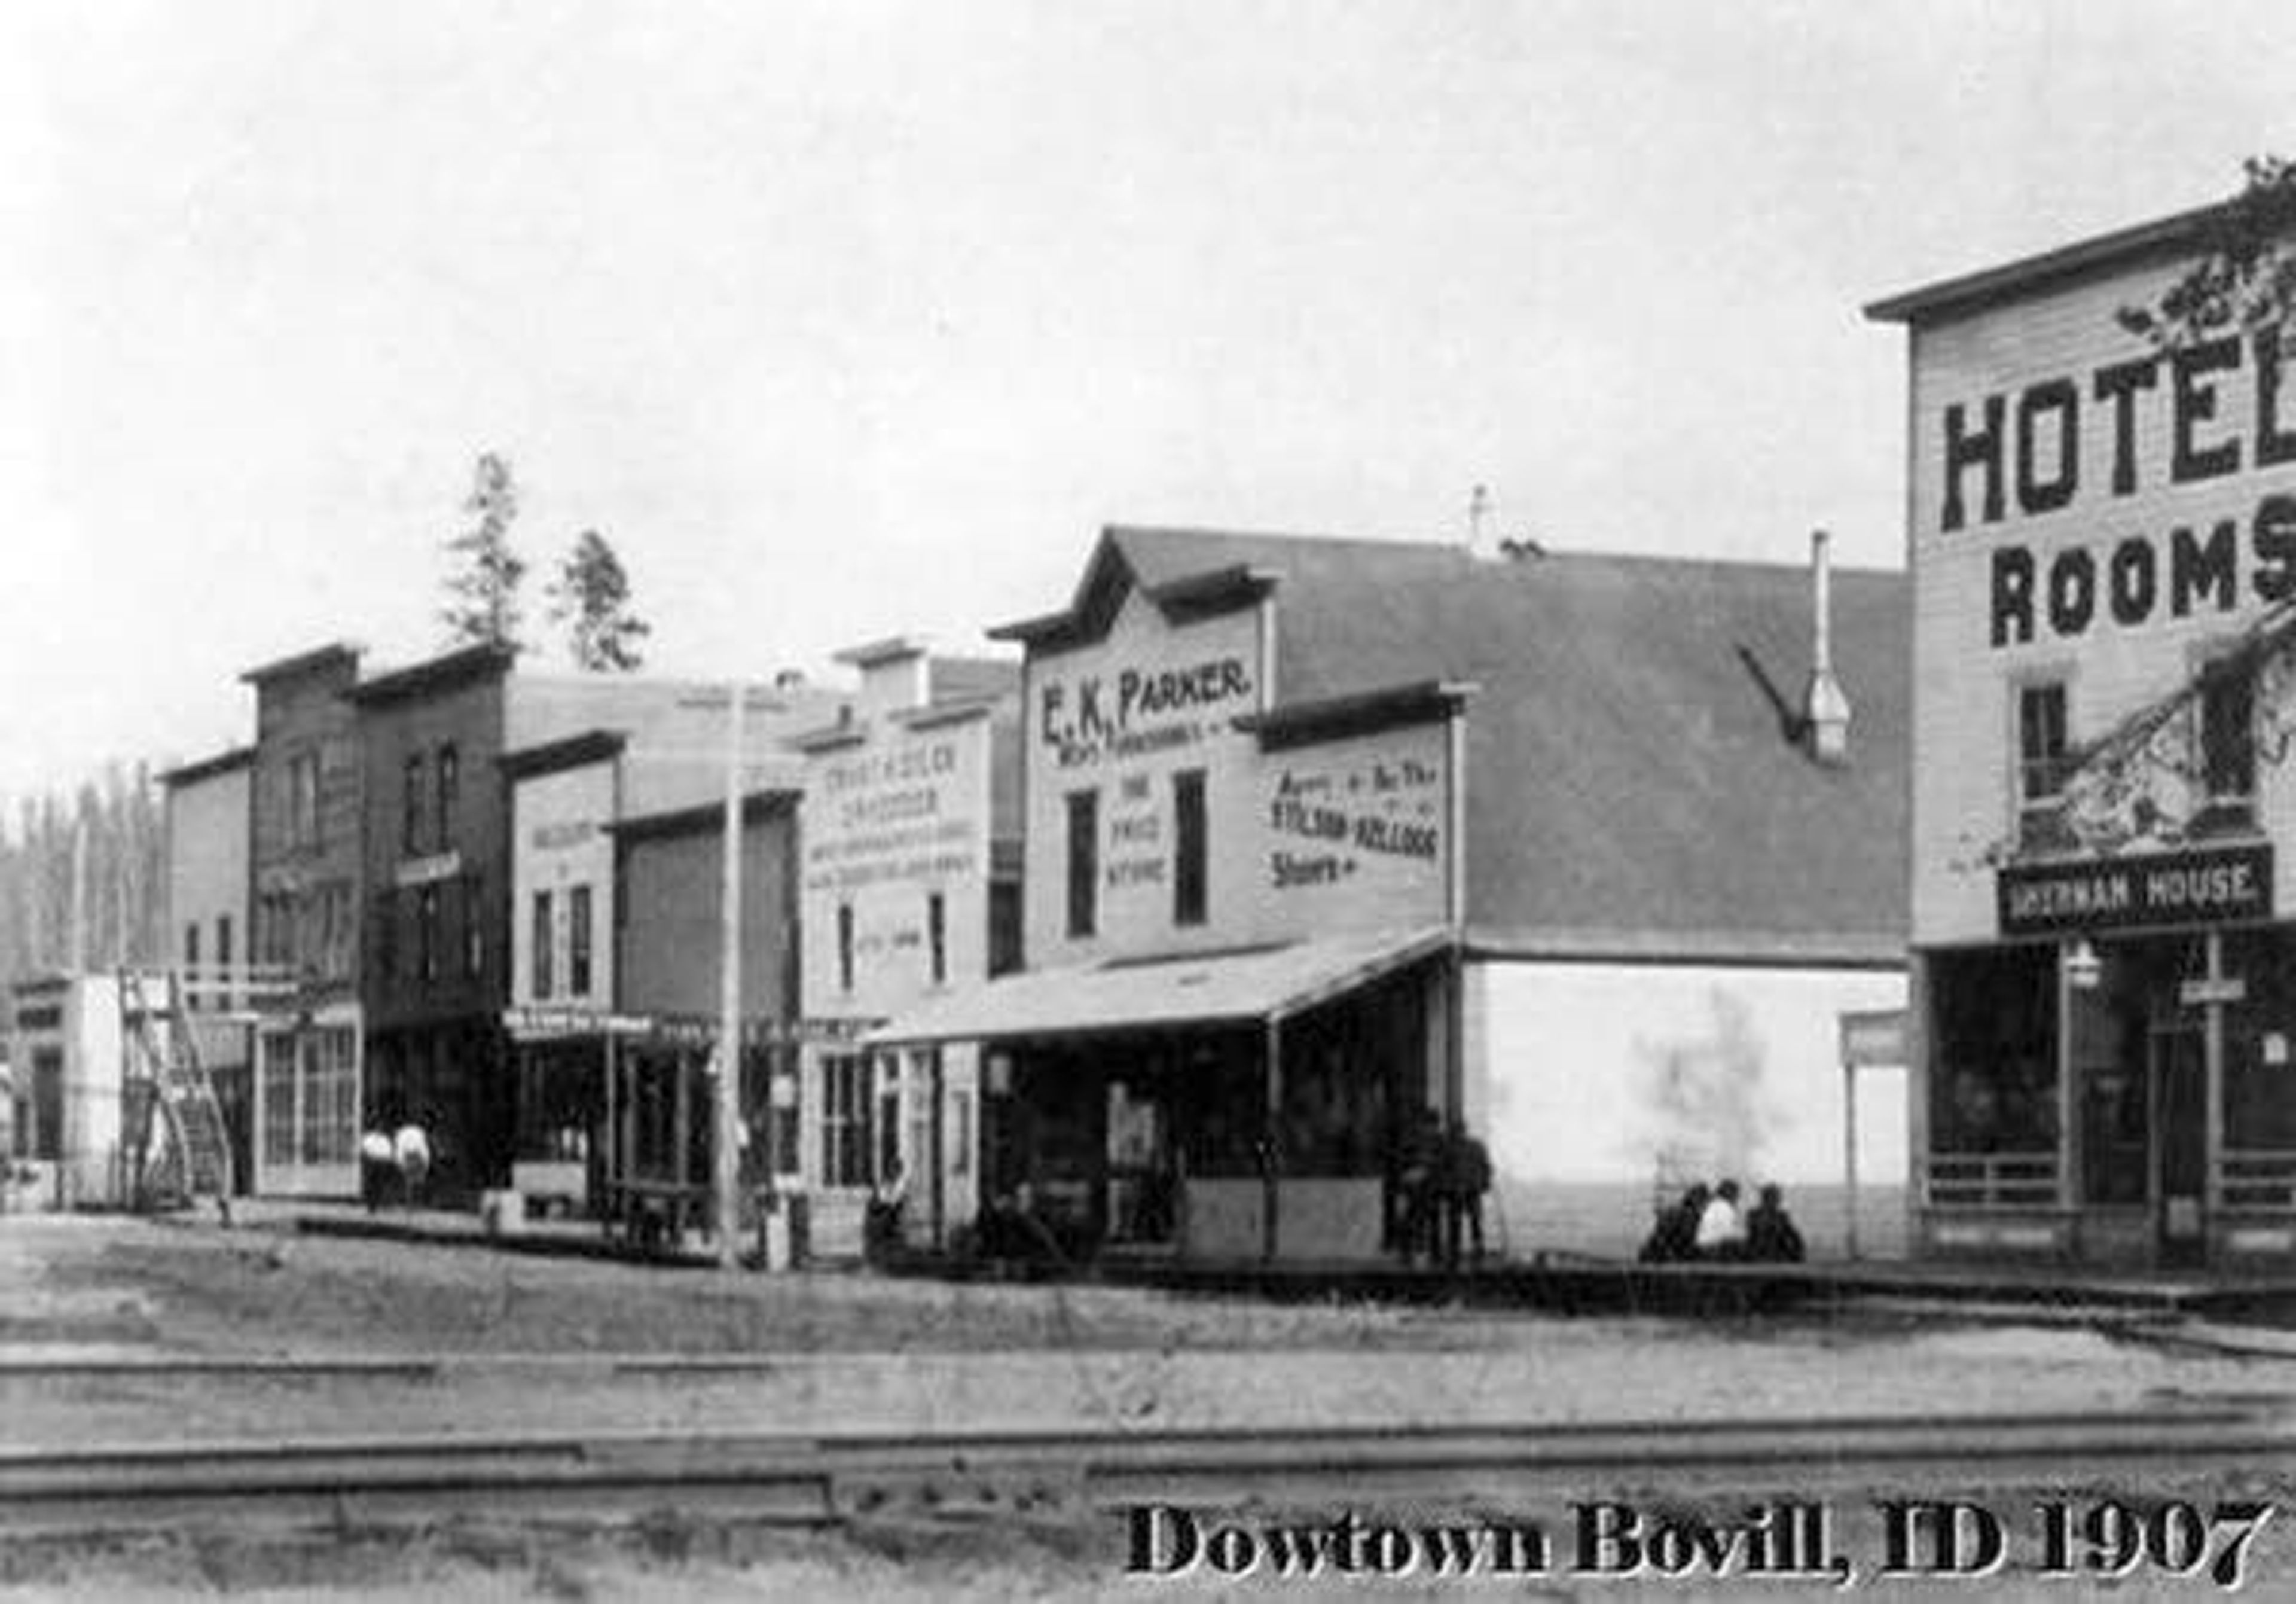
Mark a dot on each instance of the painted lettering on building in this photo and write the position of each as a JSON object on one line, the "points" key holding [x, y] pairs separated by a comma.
{"points": [[2208, 887], [1327, 819], [906, 814], [2078, 441], [1133, 712]]}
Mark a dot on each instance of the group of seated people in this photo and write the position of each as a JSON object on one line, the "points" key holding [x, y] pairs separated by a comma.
{"points": [[1707, 1225]]}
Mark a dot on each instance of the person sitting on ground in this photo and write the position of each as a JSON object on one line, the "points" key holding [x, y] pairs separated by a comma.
{"points": [[1673, 1235], [1770, 1233], [1721, 1228], [411, 1150], [378, 1167]]}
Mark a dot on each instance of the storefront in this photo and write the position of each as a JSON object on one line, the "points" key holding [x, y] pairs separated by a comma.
{"points": [[2106, 983], [909, 895], [1226, 1106]]}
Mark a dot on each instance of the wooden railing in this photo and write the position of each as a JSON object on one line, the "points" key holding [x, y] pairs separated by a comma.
{"points": [[1975, 1180], [2256, 1181]]}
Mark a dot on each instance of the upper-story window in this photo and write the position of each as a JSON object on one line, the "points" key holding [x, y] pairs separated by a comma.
{"points": [[225, 991], [1189, 845], [845, 946], [426, 933], [937, 934], [540, 944], [303, 799], [190, 946], [1084, 862], [2226, 719], [475, 924], [450, 799], [410, 821], [2042, 769], [577, 942]]}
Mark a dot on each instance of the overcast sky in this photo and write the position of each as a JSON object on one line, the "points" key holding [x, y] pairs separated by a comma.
{"points": [[851, 319]]}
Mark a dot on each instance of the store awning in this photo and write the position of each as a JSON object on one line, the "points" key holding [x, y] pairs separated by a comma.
{"points": [[1238, 986]]}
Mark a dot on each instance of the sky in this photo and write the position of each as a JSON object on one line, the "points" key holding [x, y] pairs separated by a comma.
{"points": [[862, 318]]}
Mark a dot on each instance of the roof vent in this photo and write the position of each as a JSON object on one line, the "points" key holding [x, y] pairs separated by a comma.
{"points": [[1825, 706]]}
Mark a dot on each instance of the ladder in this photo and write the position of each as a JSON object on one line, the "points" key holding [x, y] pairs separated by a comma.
{"points": [[158, 1034]]}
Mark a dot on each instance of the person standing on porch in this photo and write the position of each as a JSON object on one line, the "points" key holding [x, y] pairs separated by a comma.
{"points": [[377, 1164], [411, 1150]]}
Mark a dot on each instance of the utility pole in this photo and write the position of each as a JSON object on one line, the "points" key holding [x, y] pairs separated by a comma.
{"points": [[727, 1145]]}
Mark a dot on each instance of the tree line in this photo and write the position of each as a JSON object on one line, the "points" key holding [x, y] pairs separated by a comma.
{"points": [[83, 875], [83, 868]]}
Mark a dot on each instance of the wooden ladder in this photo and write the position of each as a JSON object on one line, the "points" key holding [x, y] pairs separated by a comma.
{"points": [[162, 1047]]}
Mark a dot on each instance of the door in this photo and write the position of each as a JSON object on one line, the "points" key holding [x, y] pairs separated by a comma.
{"points": [[2179, 1083]]}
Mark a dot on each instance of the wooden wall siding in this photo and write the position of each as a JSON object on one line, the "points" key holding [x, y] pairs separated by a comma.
{"points": [[296, 715], [1963, 799]]}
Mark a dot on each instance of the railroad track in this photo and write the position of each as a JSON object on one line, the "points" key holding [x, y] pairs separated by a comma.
{"points": [[610, 1478]]}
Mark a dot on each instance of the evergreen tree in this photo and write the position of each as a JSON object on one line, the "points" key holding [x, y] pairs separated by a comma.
{"points": [[482, 605], [591, 596]]}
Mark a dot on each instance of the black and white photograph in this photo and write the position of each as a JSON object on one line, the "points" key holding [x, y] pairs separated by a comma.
{"points": [[1084, 799]]}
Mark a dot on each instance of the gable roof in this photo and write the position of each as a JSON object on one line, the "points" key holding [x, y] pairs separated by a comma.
{"points": [[2163, 238], [1635, 788]]}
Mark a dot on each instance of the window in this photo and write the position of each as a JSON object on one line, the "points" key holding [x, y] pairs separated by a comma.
{"points": [[450, 786], [2227, 745], [845, 946], [1188, 847], [278, 1087], [336, 944], [303, 799], [848, 1098], [225, 993], [1005, 905], [937, 934], [327, 1126], [47, 1138], [543, 978], [577, 942], [1084, 861], [192, 946], [386, 934], [960, 1133], [2041, 766], [474, 925], [426, 934], [410, 822]]}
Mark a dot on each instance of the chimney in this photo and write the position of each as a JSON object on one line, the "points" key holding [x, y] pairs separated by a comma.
{"points": [[1825, 708]]}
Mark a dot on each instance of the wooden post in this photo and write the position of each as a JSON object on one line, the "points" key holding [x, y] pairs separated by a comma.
{"points": [[1849, 1153], [726, 1127], [609, 1165], [1271, 1156]]}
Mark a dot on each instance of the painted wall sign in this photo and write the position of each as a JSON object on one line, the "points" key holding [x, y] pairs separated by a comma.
{"points": [[2202, 887], [1329, 813], [1135, 710], [910, 813], [2083, 442]]}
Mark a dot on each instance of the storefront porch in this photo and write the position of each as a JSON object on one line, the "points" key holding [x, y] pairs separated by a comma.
{"points": [[1241, 1104], [2120, 1100]]}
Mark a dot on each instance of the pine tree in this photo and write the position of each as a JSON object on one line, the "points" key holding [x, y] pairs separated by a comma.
{"points": [[483, 608], [591, 595]]}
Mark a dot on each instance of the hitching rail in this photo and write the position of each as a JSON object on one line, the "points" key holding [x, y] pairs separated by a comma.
{"points": [[822, 1480]]}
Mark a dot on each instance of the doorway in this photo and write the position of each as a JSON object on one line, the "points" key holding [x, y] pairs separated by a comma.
{"points": [[2179, 1108]]}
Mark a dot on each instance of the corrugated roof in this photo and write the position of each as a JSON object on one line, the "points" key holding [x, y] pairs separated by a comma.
{"points": [[1213, 987], [1631, 761]]}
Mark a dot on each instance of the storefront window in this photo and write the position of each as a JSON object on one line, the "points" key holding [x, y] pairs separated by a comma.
{"points": [[846, 1106], [1994, 1016], [2129, 1030], [2260, 1070]]}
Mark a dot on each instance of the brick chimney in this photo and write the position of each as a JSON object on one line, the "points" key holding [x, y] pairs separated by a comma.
{"points": [[1825, 706]]}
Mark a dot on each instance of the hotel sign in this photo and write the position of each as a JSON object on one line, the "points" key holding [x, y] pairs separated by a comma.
{"points": [[2207, 886]]}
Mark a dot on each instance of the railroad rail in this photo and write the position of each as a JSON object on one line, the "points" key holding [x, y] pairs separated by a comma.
{"points": [[825, 1480]]}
